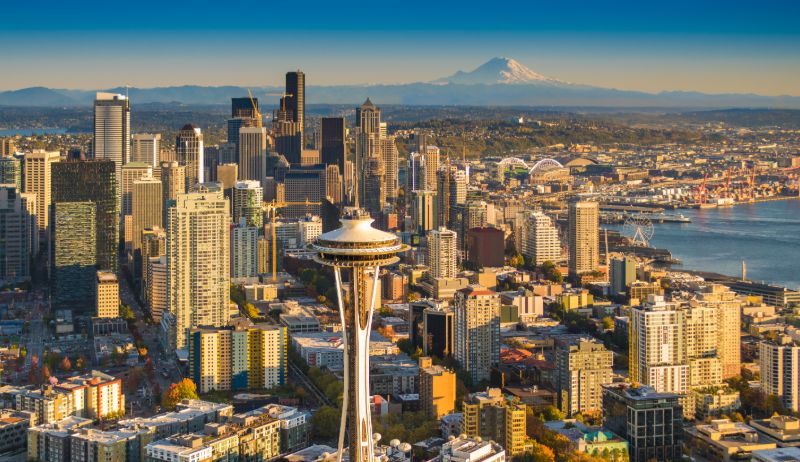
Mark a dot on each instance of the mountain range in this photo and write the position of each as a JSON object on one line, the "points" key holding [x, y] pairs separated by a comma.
{"points": [[498, 82]]}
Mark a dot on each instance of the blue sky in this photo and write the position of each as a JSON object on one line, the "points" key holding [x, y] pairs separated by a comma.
{"points": [[712, 46]]}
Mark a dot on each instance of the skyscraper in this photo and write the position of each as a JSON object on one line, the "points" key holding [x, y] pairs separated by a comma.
{"points": [[131, 172], [539, 239], [780, 370], [477, 331], [296, 97], [387, 149], [245, 107], [112, 129], [657, 347], [333, 141], [38, 180], [11, 171], [623, 273], [333, 183], [16, 228], [173, 183], [74, 254], [304, 185], [729, 314], [368, 121], [452, 191], [430, 165], [423, 205], [374, 186], [362, 249], [189, 153], [244, 252], [146, 148], [96, 182], [584, 244], [147, 207], [442, 259], [253, 153], [7, 147], [582, 367], [248, 197], [198, 260]]}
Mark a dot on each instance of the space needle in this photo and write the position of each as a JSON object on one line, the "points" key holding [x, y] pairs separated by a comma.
{"points": [[358, 247]]}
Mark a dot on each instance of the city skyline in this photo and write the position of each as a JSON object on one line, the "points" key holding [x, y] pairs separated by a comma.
{"points": [[703, 48]]}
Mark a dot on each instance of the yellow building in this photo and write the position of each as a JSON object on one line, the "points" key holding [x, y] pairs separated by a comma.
{"points": [[575, 300], [437, 389], [492, 416], [107, 295]]}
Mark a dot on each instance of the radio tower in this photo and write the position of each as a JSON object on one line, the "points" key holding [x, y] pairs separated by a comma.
{"points": [[361, 250]]}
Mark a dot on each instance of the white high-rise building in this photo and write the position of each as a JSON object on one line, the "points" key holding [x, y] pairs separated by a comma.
{"points": [[584, 240], [38, 180], [539, 239], [309, 228], [198, 259], [112, 129], [189, 153], [780, 370], [442, 258], [146, 148], [244, 252], [131, 172], [476, 322]]}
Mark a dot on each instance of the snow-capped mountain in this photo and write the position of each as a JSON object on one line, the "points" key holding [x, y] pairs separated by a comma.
{"points": [[500, 71]]}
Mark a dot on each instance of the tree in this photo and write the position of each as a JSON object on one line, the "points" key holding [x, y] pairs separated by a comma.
{"points": [[80, 363], [66, 364], [126, 313], [325, 422], [185, 389], [537, 453], [608, 323], [552, 413], [46, 372]]}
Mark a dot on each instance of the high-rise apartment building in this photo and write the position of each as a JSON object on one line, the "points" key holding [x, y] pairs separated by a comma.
{"points": [[437, 389], [157, 290], [248, 197], [491, 416], [539, 240], [153, 245], [106, 295], [112, 129], [582, 367], [584, 244], [189, 153], [623, 273], [198, 259], [729, 313], [131, 172], [780, 370], [93, 181], [423, 206], [430, 165], [387, 148], [74, 256], [442, 258], [477, 331], [244, 252], [147, 202], [253, 153], [333, 141], [657, 346], [146, 148], [16, 228], [247, 358], [38, 180]]}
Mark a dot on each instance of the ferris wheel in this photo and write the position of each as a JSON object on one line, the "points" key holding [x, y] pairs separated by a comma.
{"points": [[639, 229]]}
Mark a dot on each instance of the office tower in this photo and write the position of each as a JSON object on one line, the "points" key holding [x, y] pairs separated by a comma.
{"points": [[210, 162], [348, 182], [245, 107], [333, 140], [228, 153], [305, 188], [244, 252], [701, 340], [489, 415], [582, 367], [309, 157], [112, 129], [361, 249], [38, 180], [147, 207], [248, 197], [414, 169], [477, 331], [486, 247], [584, 246], [28, 203], [368, 121], [74, 253], [16, 228], [153, 245], [94, 181], [729, 315], [296, 97], [333, 184], [623, 273], [11, 171], [131, 172], [451, 186], [246, 358], [146, 148], [423, 217], [189, 153], [227, 174], [198, 260], [387, 149], [173, 183], [7, 147], [437, 389], [539, 239], [235, 127], [157, 288], [106, 295], [288, 140], [780, 370], [430, 165], [657, 347], [650, 421], [252, 153], [442, 258], [374, 186], [473, 214], [437, 332]]}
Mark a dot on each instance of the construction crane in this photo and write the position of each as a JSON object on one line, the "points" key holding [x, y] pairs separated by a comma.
{"points": [[256, 112], [272, 207]]}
